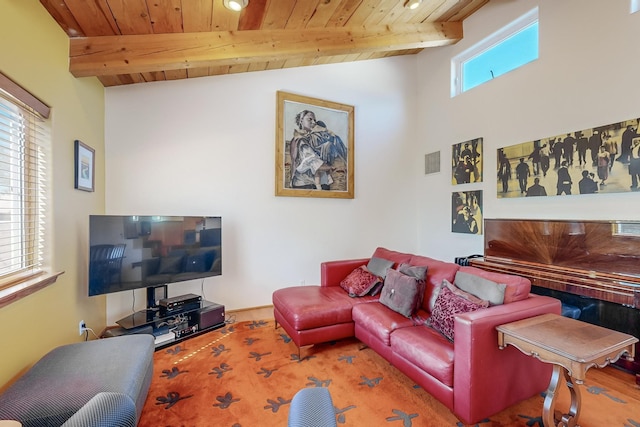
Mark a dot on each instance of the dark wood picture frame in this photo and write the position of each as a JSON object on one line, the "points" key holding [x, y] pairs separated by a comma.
{"points": [[85, 161]]}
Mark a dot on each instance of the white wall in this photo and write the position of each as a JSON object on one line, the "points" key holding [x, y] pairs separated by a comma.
{"points": [[207, 147], [586, 76]]}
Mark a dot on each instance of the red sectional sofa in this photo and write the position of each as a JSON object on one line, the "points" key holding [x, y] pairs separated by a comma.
{"points": [[470, 375]]}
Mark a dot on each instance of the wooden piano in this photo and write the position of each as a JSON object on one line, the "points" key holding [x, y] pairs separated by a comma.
{"points": [[591, 266]]}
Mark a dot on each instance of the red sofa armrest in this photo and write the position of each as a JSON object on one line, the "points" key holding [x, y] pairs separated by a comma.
{"points": [[487, 379], [332, 272]]}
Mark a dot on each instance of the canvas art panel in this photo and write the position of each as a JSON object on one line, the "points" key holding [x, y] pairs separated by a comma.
{"points": [[466, 212], [603, 159], [314, 147], [466, 162]]}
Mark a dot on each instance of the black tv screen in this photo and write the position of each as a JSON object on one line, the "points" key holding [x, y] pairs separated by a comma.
{"points": [[133, 252]]}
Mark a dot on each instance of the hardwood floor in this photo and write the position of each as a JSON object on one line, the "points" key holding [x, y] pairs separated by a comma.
{"points": [[256, 313]]}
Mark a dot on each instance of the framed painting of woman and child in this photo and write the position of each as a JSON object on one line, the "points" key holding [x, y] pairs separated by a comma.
{"points": [[314, 147]]}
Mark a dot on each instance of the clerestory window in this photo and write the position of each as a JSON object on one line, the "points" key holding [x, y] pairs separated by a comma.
{"points": [[505, 50]]}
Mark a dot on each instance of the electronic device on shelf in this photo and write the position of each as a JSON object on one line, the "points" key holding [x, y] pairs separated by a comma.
{"points": [[211, 316], [177, 325], [185, 329], [169, 306], [128, 252], [465, 260], [160, 339]]}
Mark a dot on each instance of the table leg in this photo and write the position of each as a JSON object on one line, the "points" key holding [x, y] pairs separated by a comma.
{"points": [[553, 418]]}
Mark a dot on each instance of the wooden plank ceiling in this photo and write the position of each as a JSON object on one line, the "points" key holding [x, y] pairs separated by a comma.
{"points": [[136, 41]]}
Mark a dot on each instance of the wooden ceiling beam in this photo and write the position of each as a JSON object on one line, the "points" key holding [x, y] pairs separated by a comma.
{"points": [[109, 55]]}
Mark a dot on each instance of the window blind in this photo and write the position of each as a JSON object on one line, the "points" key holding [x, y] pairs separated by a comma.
{"points": [[24, 150]]}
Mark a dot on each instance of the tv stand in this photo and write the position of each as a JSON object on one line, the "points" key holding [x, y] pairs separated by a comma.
{"points": [[182, 323], [155, 293]]}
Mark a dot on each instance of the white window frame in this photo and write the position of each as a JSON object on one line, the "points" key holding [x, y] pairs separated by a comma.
{"points": [[486, 44], [634, 6], [25, 134]]}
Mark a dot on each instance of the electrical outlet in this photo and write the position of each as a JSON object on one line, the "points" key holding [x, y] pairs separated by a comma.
{"points": [[81, 327]]}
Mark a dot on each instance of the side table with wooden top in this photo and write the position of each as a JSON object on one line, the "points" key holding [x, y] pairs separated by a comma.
{"points": [[572, 346]]}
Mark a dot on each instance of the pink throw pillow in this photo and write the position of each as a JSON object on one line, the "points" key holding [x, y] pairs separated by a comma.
{"points": [[445, 309], [457, 291], [360, 282]]}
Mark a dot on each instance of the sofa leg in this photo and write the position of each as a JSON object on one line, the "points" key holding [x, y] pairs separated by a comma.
{"points": [[276, 324], [300, 352]]}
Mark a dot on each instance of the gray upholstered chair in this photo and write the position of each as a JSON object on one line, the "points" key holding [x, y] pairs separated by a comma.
{"points": [[106, 409], [96, 383], [312, 407]]}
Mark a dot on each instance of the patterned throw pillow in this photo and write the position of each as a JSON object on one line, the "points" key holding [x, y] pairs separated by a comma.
{"points": [[445, 309], [402, 293], [359, 282], [453, 288]]}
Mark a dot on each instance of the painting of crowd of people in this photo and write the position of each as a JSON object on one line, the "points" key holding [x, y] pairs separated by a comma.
{"points": [[466, 212], [466, 162], [604, 159]]}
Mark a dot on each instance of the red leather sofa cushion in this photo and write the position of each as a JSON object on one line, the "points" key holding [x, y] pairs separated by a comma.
{"points": [[379, 320], [307, 307], [427, 349], [396, 257], [332, 272]]}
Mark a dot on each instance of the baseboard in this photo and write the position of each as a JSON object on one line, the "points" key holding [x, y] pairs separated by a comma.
{"points": [[248, 314], [240, 310]]}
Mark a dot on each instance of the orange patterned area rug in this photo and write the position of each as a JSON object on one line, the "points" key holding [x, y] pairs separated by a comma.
{"points": [[245, 375]]}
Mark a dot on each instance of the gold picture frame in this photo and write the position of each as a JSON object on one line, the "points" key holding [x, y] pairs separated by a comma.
{"points": [[314, 147]]}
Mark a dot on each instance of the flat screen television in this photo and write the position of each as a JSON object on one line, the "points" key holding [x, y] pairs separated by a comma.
{"points": [[134, 252]]}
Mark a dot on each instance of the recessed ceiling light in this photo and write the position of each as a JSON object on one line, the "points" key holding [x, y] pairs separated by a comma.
{"points": [[235, 5], [412, 4]]}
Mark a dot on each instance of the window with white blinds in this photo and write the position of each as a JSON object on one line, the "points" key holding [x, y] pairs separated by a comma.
{"points": [[24, 154]]}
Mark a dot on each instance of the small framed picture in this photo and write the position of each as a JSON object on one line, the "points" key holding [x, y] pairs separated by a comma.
{"points": [[466, 212], [84, 166], [466, 162]]}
